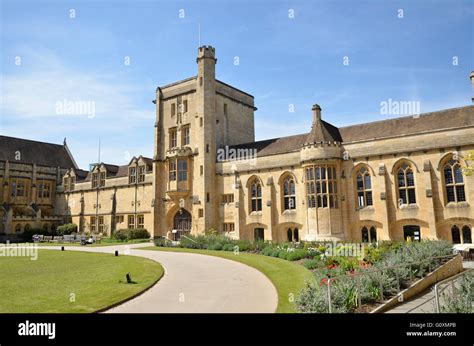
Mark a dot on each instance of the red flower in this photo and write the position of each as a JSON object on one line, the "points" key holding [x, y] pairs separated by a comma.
{"points": [[323, 282]]}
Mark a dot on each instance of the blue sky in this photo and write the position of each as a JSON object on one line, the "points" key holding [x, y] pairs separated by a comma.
{"points": [[283, 61]]}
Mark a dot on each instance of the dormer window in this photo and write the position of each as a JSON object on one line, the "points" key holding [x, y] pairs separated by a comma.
{"points": [[132, 175], [102, 178], [95, 178], [141, 174]]}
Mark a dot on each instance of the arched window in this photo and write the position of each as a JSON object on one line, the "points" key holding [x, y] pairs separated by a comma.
{"points": [[27, 227], [289, 194], [454, 182], [455, 235], [369, 236], [289, 235], [256, 196], [373, 234], [18, 228], [293, 235], [466, 235], [406, 185], [365, 235], [364, 188]]}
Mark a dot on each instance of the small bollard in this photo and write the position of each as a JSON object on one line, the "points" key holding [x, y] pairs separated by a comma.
{"points": [[116, 253], [62, 248], [129, 278]]}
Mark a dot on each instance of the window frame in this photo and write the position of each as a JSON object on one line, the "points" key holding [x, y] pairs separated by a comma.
{"points": [[141, 173], [289, 193], [173, 137], [255, 199], [363, 193], [321, 186], [131, 225], [132, 175], [182, 173], [450, 166], [405, 168], [185, 135]]}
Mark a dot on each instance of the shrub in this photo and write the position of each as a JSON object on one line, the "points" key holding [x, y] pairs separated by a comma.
{"points": [[296, 255], [462, 300], [215, 246], [162, 241], [228, 247], [66, 229], [312, 263], [131, 233]]}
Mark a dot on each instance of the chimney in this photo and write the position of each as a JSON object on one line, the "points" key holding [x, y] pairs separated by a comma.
{"points": [[316, 113]]}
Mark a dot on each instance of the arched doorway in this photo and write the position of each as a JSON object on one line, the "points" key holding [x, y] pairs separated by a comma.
{"points": [[182, 223]]}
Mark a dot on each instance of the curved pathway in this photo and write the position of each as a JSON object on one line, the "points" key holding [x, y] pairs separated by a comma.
{"points": [[195, 283]]}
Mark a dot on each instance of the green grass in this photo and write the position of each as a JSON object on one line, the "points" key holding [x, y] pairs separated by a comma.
{"points": [[288, 277], [104, 242], [47, 284]]}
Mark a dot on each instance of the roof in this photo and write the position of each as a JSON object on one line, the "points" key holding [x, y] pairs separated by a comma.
{"points": [[113, 171], [322, 131], [404, 126], [409, 125], [34, 152]]}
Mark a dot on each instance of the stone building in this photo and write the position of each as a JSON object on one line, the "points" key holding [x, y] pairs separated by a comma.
{"points": [[29, 174], [392, 179], [109, 197]]}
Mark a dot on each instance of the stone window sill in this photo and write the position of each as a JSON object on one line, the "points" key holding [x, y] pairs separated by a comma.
{"points": [[256, 213], [408, 206], [368, 208], [289, 212], [457, 205]]}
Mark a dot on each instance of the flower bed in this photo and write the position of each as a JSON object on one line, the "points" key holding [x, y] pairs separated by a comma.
{"points": [[356, 285]]}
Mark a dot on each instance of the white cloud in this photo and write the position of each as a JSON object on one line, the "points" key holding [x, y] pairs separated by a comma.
{"points": [[120, 117]]}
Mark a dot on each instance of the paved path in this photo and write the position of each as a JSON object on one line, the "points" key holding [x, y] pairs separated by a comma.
{"points": [[196, 283], [424, 302]]}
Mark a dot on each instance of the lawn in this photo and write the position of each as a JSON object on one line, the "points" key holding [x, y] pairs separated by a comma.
{"points": [[288, 277], [104, 242], [71, 281]]}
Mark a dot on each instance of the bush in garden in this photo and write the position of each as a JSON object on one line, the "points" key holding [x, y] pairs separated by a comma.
{"points": [[228, 247], [312, 263], [312, 299], [66, 229], [215, 246], [296, 254], [162, 241], [462, 301], [131, 233], [243, 245]]}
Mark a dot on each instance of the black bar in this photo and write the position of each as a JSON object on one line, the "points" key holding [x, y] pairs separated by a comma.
{"points": [[262, 329]]}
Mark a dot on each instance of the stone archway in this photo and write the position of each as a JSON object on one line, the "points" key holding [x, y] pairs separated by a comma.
{"points": [[182, 223]]}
